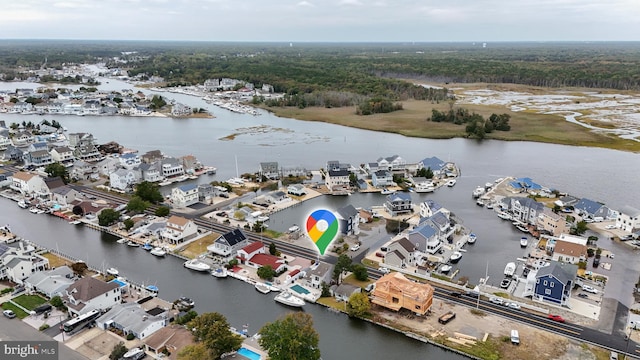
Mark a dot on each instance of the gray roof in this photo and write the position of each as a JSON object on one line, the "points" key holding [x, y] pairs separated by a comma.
{"points": [[347, 212], [130, 316], [15, 261], [589, 206], [630, 211], [406, 244], [320, 270], [561, 271], [346, 289]]}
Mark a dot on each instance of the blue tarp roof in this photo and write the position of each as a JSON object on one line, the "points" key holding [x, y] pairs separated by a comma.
{"points": [[525, 183]]}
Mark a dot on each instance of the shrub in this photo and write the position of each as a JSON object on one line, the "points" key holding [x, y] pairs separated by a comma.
{"points": [[130, 336], [43, 327]]}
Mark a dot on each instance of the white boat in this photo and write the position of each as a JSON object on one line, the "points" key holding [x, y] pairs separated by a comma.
{"points": [[472, 238], [23, 204], [134, 354], [219, 272], [455, 257], [386, 191], [294, 228], [503, 215], [196, 265], [77, 222], [522, 228], [185, 302], [132, 244], [479, 191], [505, 283], [121, 241], [488, 185], [158, 251], [489, 206], [510, 269], [479, 202], [113, 271], [236, 181], [211, 171], [286, 298], [524, 242], [263, 288], [425, 188], [34, 210], [451, 182], [445, 268]]}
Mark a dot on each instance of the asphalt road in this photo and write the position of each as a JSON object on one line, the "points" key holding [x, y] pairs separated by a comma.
{"points": [[15, 330]]}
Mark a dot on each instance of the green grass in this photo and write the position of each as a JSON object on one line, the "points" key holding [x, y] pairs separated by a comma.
{"points": [[29, 302], [19, 312]]}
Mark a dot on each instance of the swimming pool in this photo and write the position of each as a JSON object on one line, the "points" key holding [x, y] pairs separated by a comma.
{"points": [[251, 355], [300, 290]]}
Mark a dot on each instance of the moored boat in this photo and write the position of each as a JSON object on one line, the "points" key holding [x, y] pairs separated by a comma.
{"points": [[480, 203], [158, 251], [263, 288], [134, 354], [479, 191], [113, 271], [152, 290], [472, 238], [445, 268], [132, 244], [505, 283], [510, 269], [503, 215], [425, 188], [23, 204], [451, 182], [121, 241], [286, 298], [522, 228], [147, 247], [386, 191], [196, 265], [524, 242], [219, 272], [455, 257]]}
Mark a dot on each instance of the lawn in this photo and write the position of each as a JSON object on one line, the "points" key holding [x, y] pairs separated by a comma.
{"points": [[351, 280], [56, 261], [198, 247], [19, 313], [332, 303], [29, 301]]}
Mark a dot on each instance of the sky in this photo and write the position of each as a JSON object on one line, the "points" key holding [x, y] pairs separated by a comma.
{"points": [[322, 20]]}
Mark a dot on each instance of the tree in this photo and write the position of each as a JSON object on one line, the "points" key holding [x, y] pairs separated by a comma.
{"points": [[212, 330], [128, 224], [118, 351], [358, 305], [57, 302], [360, 272], [291, 338], [194, 352], [108, 217], [581, 228], [163, 211], [266, 272], [79, 268], [272, 249], [57, 169], [149, 192], [326, 290], [190, 315], [343, 264], [137, 205]]}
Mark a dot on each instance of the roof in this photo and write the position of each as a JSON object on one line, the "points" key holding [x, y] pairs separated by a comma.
{"points": [[347, 212], [233, 237], [432, 163], [408, 288], [570, 248], [381, 173], [88, 288], [173, 337], [426, 231], [589, 206], [254, 246], [24, 176], [269, 166], [340, 172], [439, 219], [434, 206], [320, 270], [62, 149], [398, 197], [188, 187], [54, 182], [525, 183], [630, 211], [345, 289], [573, 239], [561, 271], [405, 243], [267, 259], [177, 220], [130, 316]]}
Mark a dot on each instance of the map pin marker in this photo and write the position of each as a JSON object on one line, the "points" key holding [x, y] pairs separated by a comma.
{"points": [[322, 228]]}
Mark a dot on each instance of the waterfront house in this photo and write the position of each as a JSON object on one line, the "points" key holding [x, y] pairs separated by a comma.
{"points": [[425, 240], [394, 291], [436, 165], [293, 171], [337, 180], [179, 109], [320, 273], [190, 164], [123, 179], [129, 160], [64, 195], [206, 192], [567, 248], [179, 229], [107, 165], [87, 153], [399, 253], [54, 183], [392, 163], [228, 244], [344, 291], [29, 184], [170, 338], [269, 170], [82, 170], [371, 167], [152, 156], [38, 158], [554, 283], [276, 197], [171, 167], [349, 220], [81, 139], [382, 178], [89, 293], [250, 250], [18, 261], [259, 260], [552, 223], [184, 195], [151, 172], [131, 318], [23, 139], [441, 223], [50, 283], [430, 208], [591, 209], [524, 185], [398, 204], [566, 200], [628, 219], [523, 209], [296, 189], [5, 139], [12, 153], [63, 155]]}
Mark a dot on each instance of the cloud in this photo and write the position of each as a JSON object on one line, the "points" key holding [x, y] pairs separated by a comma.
{"points": [[351, 2], [305, 4]]}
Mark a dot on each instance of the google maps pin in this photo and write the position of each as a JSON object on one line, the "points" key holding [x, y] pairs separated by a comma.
{"points": [[322, 228]]}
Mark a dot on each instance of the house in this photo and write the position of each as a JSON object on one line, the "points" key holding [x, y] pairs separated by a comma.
{"points": [[337, 180], [62, 154], [181, 110], [29, 184], [227, 245], [190, 164], [64, 195], [398, 204], [19, 261], [394, 291], [171, 167], [523, 209], [250, 250], [399, 253], [392, 163], [206, 193], [382, 178], [276, 197], [554, 283], [344, 291], [89, 293], [179, 229], [50, 283], [552, 223], [171, 338], [566, 200], [269, 170], [320, 273], [123, 179], [441, 223], [296, 189], [38, 158], [23, 138], [131, 318], [524, 185], [12, 153], [259, 260], [152, 156], [184, 195], [129, 160], [425, 241], [5, 139], [82, 170], [430, 208], [349, 219], [107, 165], [591, 209], [436, 165], [371, 167], [628, 219], [151, 172], [567, 248]]}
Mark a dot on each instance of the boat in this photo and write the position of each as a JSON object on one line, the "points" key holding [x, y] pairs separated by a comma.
{"points": [[455, 257], [132, 244], [76, 222], [121, 241], [480, 202], [286, 298], [158, 251], [451, 182], [147, 247], [294, 228], [522, 228], [152, 289], [211, 171], [196, 265], [479, 191], [505, 283], [510, 269], [445, 268], [23, 204], [503, 215], [185, 302], [524, 242], [386, 191], [134, 354], [263, 288], [34, 210], [489, 206], [425, 188], [488, 185], [113, 271], [219, 272], [471, 239]]}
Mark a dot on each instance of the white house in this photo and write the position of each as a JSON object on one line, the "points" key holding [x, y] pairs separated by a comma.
{"points": [[349, 219], [296, 189], [628, 219], [90, 293], [107, 165], [179, 229], [64, 195], [29, 184], [382, 178], [5, 139], [129, 160], [391, 163], [171, 167], [228, 244], [151, 172], [250, 250], [430, 208], [82, 170], [62, 154], [50, 283], [122, 179], [337, 179], [320, 273], [131, 318], [567, 248], [184, 195]]}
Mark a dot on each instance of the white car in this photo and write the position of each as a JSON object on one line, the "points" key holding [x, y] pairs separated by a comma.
{"points": [[355, 247], [589, 289], [512, 305], [609, 227], [384, 270], [496, 300]]}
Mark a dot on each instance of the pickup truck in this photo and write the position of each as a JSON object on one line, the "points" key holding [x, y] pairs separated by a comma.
{"points": [[446, 317]]}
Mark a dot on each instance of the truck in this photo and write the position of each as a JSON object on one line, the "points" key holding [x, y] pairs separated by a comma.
{"points": [[446, 317]]}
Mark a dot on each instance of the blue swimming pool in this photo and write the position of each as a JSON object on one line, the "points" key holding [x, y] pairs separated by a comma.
{"points": [[300, 290], [251, 355]]}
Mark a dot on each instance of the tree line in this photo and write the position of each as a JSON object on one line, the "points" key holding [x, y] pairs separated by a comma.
{"points": [[476, 125]]}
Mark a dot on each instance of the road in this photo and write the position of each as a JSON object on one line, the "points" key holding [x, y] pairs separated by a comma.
{"points": [[16, 330]]}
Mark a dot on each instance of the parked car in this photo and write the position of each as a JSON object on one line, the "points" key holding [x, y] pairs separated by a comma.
{"points": [[8, 313], [496, 300], [42, 309], [512, 305], [384, 270], [379, 254], [557, 318], [355, 247], [610, 226], [583, 295], [589, 289], [455, 293], [446, 317]]}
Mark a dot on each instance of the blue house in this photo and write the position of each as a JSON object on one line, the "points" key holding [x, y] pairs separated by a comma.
{"points": [[435, 164], [590, 208], [524, 184], [554, 282]]}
